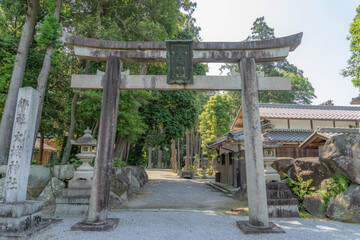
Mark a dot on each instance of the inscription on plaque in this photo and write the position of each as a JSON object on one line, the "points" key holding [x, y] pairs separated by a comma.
{"points": [[179, 61]]}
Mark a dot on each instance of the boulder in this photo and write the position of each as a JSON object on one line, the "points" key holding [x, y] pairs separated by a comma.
{"points": [[312, 203], [346, 206], [341, 154], [52, 191], [65, 172], [120, 181], [39, 177], [134, 185], [309, 168], [282, 164], [115, 201]]}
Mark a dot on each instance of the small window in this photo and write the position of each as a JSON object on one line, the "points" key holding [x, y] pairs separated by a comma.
{"points": [[230, 158], [223, 159]]}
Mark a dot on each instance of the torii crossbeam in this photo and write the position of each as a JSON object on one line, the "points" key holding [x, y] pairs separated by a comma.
{"points": [[246, 54]]}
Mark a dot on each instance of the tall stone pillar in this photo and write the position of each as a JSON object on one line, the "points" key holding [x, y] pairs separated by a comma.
{"points": [[256, 189], [99, 197]]}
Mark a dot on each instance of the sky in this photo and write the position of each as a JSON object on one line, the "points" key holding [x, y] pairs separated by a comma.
{"points": [[324, 50]]}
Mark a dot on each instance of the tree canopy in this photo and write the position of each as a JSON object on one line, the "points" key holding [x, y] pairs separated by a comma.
{"points": [[353, 68]]}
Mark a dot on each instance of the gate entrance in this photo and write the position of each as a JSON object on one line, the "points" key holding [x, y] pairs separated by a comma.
{"points": [[246, 54]]}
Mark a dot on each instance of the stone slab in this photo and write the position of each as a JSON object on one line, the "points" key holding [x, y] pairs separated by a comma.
{"points": [[76, 192], [107, 225], [247, 228], [72, 200], [159, 82], [283, 211], [80, 184], [186, 174], [17, 210], [71, 210], [43, 225], [21, 146]]}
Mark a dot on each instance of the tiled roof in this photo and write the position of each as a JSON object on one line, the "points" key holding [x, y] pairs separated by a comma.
{"points": [[314, 112], [322, 134], [236, 135], [289, 135], [216, 142]]}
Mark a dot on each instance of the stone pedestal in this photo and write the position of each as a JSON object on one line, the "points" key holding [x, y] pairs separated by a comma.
{"points": [[269, 158], [74, 201], [20, 217]]}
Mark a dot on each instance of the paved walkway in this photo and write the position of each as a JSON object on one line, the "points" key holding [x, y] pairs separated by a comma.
{"points": [[191, 220]]}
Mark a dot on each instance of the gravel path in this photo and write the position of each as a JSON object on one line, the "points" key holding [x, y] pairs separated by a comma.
{"points": [[190, 220], [166, 190], [199, 224]]}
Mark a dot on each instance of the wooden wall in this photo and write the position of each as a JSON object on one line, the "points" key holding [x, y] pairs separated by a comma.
{"points": [[296, 152]]}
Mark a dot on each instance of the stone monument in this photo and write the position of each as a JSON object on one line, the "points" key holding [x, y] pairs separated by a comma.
{"points": [[75, 199], [18, 216]]}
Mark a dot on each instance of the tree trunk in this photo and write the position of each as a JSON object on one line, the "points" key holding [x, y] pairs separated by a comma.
{"points": [[159, 158], [179, 155], [187, 159], [149, 157], [44, 73], [120, 148], [17, 77], [41, 149], [173, 156], [67, 149], [192, 146], [95, 129], [197, 140], [127, 150]]}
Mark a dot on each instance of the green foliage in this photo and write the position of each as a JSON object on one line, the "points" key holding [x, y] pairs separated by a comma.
{"points": [[215, 119], [191, 167], [300, 187], [118, 163], [302, 90], [336, 185], [353, 68], [49, 32]]}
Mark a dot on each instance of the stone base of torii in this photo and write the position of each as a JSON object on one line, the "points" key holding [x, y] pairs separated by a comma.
{"points": [[244, 53]]}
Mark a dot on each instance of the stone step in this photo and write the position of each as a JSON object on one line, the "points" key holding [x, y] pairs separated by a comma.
{"points": [[76, 192], [277, 186], [291, 201], [283, 211], [219, 187], [72, 200], [276, 194]]}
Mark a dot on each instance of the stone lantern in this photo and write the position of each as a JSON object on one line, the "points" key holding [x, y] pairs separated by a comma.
{"points": [[86, 142], [74, 201], [269, 151]]}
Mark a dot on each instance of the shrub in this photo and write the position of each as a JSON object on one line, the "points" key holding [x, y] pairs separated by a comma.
{"points": [[300, 188], [118, 163], [336, 185]]}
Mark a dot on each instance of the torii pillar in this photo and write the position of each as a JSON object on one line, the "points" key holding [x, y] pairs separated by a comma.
{"points": [[256, 189]]}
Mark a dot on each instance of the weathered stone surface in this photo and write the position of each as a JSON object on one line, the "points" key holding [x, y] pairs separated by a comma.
{"points": [[52, 190], [341, 154], [21, 146], [283, 164], [64, 171], [134, 185], [3, 169], [312, 203], [346, 206], [309, 168], [120, 181], [39, 177], [2, 184]]}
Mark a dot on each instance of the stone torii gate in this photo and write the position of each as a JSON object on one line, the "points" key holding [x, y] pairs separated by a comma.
{"points": [[246, 54]]}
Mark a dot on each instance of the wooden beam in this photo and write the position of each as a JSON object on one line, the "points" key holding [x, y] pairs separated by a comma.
{"points": [[262, 55], [159, 82], [292, 41]]}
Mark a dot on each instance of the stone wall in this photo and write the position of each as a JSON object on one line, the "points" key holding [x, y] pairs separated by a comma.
{"points": [[46, 184]]}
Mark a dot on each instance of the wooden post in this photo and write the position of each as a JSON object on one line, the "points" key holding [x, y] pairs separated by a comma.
{"points": [[100, 191], [257, 201]]}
